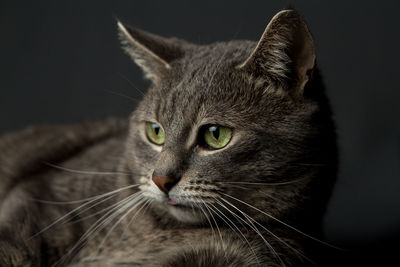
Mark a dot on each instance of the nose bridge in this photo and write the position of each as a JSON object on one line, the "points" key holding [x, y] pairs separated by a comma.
{"points": [[173, 158], [171, 163], [169, 169]]}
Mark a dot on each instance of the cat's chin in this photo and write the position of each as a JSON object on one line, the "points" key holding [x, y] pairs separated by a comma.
{"points": [[185, 214], [178, 212]]}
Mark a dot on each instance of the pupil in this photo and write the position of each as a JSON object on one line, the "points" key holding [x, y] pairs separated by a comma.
{"points": [[215, 131], [156, 129]]}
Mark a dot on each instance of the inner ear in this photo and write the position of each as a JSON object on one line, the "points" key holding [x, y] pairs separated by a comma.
{"points": [[285, 52], [150, 52], [302, 54]]}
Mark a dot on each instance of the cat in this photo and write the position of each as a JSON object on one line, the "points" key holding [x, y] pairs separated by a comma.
{"points": [[228, 160]]}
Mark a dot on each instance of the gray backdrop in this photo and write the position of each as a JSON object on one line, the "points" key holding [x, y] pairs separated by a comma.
{"points": [[60, 62]]}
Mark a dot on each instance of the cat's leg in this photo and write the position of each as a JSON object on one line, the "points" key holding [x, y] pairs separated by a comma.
{"points": [[15, 251], [22, 239], [210, 256], [211, 253], [233, 249], [17, 226]]}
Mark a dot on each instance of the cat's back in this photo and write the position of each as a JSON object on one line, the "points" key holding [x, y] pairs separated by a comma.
{"points": [[28, 152]]}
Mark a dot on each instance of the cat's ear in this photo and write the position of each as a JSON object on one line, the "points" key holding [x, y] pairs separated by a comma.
{"points": [[285, 51], [152, 53]]}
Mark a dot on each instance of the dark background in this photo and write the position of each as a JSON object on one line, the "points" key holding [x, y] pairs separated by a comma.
{"points": [[60, 62]]}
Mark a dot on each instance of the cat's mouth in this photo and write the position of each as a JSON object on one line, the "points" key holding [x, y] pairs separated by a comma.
{"points": [[183, 208], [172, 202], [175, 204]]}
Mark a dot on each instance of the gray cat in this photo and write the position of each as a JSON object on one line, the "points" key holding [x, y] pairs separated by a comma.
{"points": [[228, 160]]}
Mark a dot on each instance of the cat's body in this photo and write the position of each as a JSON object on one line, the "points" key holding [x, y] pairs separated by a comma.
{"points": [[273, 176], [147, 242]]}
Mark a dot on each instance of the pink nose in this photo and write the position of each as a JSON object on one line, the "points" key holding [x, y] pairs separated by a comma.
{"points": [[165, 183]]}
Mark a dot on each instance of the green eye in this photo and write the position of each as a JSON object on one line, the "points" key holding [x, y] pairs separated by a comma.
{"points": [[155, 133], [216, 136]]}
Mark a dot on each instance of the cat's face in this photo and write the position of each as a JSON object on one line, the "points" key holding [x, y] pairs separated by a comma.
{"points": [[228, 126]]}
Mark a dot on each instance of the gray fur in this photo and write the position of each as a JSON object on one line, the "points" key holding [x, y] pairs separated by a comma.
{"points": [[270, 94]]}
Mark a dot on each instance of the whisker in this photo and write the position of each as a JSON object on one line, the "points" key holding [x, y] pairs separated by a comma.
{"points": [[285, 224], [97, 227], [81, 206], [219, 232], [84, 199], [130, 83], [88, 208], [252, 226], [216, 225], [118, 209], [146, 205], [88, 172], [260, 191], [241, 187], [208, 219], [216, 210], [266, 229], [267, 184], [240, 221], [270, 196], [96, 213], [123, 95], [138, 202]]}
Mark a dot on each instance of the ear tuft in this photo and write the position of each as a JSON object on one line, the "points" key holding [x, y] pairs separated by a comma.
{"points": [[285, 51], [150, 52]]}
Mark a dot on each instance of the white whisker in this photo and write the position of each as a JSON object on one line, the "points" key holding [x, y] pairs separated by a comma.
{"points": [[98, 226], [252, 226], [145, 206], [123, 95], [267, 184], [208, 219], [130, 83], [285, 224], [96, 213], [233, 230], [85, 171], [135, 205], [92, 199], [219, 232]]}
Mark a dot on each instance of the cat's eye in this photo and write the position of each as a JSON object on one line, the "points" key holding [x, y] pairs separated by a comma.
{"points": [[216, 136], [155, 133]]}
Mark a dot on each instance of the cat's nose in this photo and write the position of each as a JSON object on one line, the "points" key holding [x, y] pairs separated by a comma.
{"points": [[165, 183]]}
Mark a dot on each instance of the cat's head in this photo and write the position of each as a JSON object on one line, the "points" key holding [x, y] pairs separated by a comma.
{"points": [[232, 126]]}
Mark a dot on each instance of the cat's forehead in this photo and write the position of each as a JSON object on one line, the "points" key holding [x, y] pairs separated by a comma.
{"points": [[204, 65], [207, 81], [206, 86]]}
